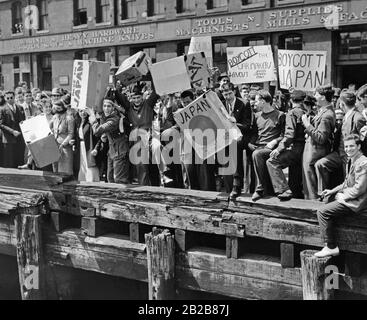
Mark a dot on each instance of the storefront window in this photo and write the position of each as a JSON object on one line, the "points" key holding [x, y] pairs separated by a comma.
{"points": [[80, 12], [220, 50], [291, 42], [17, 20], [156, 7], [128, 9], [81, 55], [185, 6], [253, 41], [44, 63], [213, 4], [43, 14], [183, 48], [353, 45], [105, 55], [103, 11]]}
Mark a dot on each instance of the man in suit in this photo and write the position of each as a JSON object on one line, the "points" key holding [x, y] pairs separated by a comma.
{"points": [[240, 114], [29, 107], [13, 144], [353, 122], [319, 132], [289, 152], [350, 196]]}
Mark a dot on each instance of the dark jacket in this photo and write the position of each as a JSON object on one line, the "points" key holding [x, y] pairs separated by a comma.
{"points": [[90, 141], [9, 122], [118, 142]]}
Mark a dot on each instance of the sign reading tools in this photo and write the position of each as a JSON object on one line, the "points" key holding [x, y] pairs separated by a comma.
{"points": [[90, 80], [206, 125], [251, 64], [181, 73], [301, 70]]}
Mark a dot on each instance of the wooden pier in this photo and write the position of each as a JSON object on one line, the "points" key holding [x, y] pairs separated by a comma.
{"points": [[173, 239]]}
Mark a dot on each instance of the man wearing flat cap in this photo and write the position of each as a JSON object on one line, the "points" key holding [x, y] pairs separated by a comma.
{"points": [[353, 121], [289, 152]]}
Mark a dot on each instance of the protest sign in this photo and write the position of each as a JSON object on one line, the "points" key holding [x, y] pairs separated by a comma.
{"points": [[301, 70], [250, 64], [90, 80], [206, 126], [198, 71], [181, 73], [170, 76], [202, 44], [133, 68], [40, 141]]}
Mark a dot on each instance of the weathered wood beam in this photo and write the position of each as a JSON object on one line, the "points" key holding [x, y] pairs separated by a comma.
{"points": [[161, 264], [232, 247], [31, 264], [287, 255], [313, 271]]}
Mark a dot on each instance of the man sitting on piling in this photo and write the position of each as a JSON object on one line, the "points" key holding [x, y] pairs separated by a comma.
{"points": [[350, 197]]}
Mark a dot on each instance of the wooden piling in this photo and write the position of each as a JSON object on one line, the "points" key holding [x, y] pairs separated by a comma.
{"points": [[31, 267], [314, 276], [161, 264]]}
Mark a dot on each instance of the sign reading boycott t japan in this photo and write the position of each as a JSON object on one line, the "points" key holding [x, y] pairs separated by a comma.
{"points": [[206, 126], [301, 70], [251, 64]]}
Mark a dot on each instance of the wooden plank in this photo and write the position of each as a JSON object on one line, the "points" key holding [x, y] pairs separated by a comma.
{"points": [[156, 214], [236, 286], [232, 247], [161, 264], [287, 255], [249, 265], [134, 232], [31, 179], [183, 240], [31, 265], [12, 201], [112, 254]]}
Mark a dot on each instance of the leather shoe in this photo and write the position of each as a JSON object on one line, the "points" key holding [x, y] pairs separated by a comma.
{"points": [[286, 195], [256, 196], [327, 252], [25, 167], [236, 191]]}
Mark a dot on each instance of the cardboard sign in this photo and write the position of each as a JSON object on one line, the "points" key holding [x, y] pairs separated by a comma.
{"points": [[181, 73], [170, 76], [251, 64], [134, 68], [301, 70], [197, 69], [202, 44], [40, 141], [206, 126], [90, 80]]}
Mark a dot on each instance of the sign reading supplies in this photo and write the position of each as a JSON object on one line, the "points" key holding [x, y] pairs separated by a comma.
{"points": [[181, 73], [206, 126], [301, 70], [250, 64], [90, 80]]}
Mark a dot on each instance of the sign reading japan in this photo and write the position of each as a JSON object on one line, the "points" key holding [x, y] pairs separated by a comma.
{"points": [[301, 70]]}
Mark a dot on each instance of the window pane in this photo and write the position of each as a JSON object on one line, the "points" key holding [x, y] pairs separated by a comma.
{"points": [[188, 5], [131, 9], [220, 52], [220, 3]]}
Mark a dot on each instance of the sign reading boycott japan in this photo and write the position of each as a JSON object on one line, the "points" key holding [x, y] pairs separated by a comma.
{"points": [[301, 70], [90, 80], [250, 64], [206, 125]]}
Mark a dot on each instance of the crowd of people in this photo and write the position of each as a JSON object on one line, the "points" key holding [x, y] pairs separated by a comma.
{"points": [[319, 137]]}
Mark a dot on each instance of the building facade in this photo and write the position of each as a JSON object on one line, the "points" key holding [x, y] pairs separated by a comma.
{"points": [[39, 39]]}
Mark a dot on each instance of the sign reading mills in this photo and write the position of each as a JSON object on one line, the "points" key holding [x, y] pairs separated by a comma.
{"points": [[276, 20]]}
